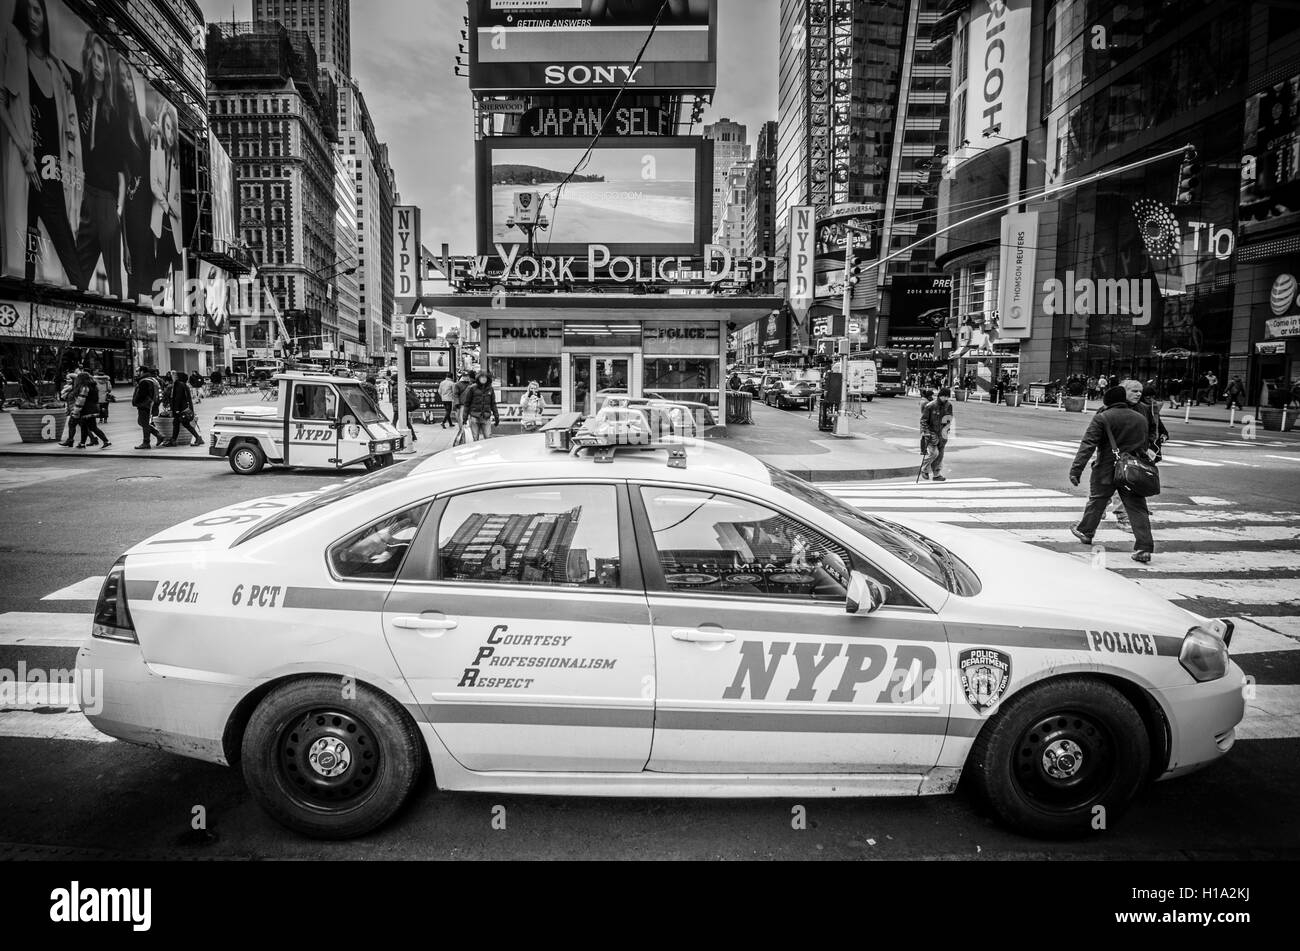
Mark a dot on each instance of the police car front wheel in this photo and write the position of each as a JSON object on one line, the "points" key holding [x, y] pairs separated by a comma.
{"points": [[329, 757], [1061, 759]]}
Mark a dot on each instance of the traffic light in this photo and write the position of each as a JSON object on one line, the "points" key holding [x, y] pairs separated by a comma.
{"points": [[1189, 178], [853, 275]]}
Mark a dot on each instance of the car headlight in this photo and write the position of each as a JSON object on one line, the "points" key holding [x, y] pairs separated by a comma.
{"points": [[1204, 654]]}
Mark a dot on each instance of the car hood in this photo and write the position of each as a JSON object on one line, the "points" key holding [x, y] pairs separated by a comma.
{"points": [[1016, 574], [218, 529]]}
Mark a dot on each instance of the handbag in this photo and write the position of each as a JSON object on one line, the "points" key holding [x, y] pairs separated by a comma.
{"points": [[1137, 475], [460, 437]]}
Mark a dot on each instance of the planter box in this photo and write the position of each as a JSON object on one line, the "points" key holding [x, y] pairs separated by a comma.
{"points": [[1271, 419], [1011, 399], [1075, 404], [40, 425]]}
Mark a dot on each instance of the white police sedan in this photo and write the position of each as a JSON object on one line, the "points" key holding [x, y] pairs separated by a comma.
{"points": [[667, 624]]}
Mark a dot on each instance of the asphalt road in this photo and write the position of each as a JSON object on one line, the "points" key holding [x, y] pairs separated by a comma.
{"points": [[66, 520]]}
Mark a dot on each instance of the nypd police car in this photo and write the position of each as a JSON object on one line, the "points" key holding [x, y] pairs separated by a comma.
{"points": [[681, 622]]}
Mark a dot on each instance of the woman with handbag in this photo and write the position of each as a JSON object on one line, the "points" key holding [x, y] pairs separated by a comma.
{"points": [[182, 407], [1118, 434]]}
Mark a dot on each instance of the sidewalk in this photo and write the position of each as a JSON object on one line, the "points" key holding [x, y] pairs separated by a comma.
{"points": [[124, 434], [791, 441], [1203, 413], [787, 440]]}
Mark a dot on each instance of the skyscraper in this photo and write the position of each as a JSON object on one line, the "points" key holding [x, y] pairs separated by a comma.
{"points": [[327, 22], [730, 146], [862, 122]]}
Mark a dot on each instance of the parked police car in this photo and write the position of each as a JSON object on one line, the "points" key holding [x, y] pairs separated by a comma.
{"points": [[680, 624]]}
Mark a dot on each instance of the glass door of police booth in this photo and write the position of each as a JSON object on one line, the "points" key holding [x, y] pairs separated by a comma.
{"points": [[592, 377]]}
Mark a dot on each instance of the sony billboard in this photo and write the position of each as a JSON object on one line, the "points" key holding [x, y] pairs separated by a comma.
{"points": [[592, 45]]}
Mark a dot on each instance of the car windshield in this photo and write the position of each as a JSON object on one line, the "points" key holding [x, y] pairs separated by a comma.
{"points": [[924, 554], [329, 496], [358, 404]]}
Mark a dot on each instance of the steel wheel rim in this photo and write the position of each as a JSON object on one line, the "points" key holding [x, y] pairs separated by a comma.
{"points": [[244, 459], [1064, 760], [327, 760]]}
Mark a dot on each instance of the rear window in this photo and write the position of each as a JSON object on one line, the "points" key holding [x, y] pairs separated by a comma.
{"points": [[347, 490]]}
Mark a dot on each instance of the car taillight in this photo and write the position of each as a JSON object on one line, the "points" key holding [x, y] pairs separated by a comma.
{"points": [[112, 616]]}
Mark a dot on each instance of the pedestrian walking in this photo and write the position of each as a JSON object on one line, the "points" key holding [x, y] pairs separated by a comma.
{"points": [[1117, 428], [178, 396], [1142, 398], [370, 389], [1235, 394], [144, 397], [447, 396], [214, 381], [479, 407], [105, 385], [412, 407], [936, 424], [86, 411], [532, 407], [196, 386], [68, 394], [1211, 388]]}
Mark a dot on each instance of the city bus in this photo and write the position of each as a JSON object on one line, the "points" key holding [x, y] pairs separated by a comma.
{"points": [[892, 370]]}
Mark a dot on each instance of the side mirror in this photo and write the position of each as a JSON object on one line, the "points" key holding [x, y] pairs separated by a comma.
{"points": [[866, 595]]}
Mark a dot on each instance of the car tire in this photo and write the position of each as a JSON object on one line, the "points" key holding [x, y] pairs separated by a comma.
{"points": [[328, 767], [385, 460], [246, 458], [870, 398], [1055, 753]]}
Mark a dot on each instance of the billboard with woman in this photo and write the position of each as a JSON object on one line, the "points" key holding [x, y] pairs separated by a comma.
{"points": [[89, 160]]}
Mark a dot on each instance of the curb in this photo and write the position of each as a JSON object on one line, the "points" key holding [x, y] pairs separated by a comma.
{"points": [[96, 454]]}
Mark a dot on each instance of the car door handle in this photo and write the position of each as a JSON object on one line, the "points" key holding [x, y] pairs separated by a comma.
{"points": [[425, 624], [697, 636]]}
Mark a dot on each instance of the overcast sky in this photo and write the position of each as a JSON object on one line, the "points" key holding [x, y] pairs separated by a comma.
{"points": [[403, 55]]}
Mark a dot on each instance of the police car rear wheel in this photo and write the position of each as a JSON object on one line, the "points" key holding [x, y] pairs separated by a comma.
{"points": [[330, 767], [1056, 753], [247, 459]]}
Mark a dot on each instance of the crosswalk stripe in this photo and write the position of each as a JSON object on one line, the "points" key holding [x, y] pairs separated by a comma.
{"points": [[25, 724], [1029, 447], [1285, 458], [1191, 562], [1272, 713], [1195, 463], [1251, 637], [1270, 591], [971, 494], [1287, 625], [949, 485], [43, 629], [1163, 536], [86, 589], [927, 504]]}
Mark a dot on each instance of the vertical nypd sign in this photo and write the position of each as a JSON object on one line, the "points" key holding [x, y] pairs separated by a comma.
{"points": [[803, 234], [406, 251]]}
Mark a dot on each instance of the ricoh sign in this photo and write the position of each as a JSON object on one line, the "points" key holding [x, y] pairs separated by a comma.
{"points": [[997, 99]]}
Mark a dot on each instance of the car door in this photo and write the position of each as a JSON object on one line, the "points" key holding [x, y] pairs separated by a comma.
{"points": [[311, 431], [520, 623], [758, 666]]}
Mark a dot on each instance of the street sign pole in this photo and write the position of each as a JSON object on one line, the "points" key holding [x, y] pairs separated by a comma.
{"points": [[842, 417]]}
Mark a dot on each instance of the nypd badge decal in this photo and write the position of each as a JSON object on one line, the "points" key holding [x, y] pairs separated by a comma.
{"points": [[985, 674]]}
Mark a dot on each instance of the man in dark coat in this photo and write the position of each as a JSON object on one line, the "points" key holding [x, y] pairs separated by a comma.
{"points": [[145, 396], [936, 423], [1129, 428], [479, 407]]}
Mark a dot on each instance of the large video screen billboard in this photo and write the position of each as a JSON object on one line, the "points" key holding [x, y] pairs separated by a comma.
{"points": [[1270, 160], [646, 196], [590, 45], [91, 161]]}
